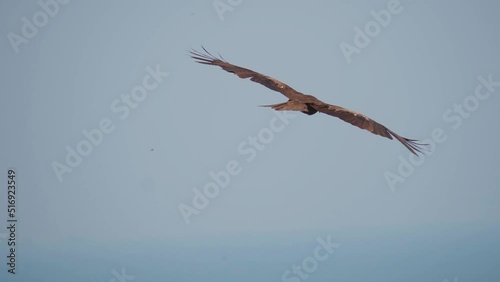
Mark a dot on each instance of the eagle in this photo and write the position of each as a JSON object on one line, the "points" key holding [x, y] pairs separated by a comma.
{"points": [[304, 103]]}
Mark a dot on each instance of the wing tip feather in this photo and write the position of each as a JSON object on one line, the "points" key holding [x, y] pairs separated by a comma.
{"points": [[411, 144], [205, 57]]}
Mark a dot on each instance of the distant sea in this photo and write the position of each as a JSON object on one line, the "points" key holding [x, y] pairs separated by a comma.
{"points": [[430, 254]]}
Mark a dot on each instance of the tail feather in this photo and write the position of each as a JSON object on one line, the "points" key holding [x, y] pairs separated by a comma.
{"points": [[290, 105], [277, 107]]}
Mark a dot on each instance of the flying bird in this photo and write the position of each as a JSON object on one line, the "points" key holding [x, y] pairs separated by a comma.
{"points": [[306, 104]]}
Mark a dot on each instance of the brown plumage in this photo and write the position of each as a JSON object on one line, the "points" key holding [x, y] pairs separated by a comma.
{"points": [[306, 103]]}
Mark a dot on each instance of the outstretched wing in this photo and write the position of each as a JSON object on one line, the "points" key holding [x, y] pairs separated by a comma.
{"points": [[267, 81], [369, 124]]}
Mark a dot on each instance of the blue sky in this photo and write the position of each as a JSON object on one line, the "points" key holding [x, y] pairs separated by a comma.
{"points": [[425, 70]]}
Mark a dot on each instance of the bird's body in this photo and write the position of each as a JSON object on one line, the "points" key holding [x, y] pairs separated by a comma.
{"points": [[306, 104]]}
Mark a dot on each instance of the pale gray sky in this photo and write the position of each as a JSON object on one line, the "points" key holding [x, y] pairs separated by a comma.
{"points": [[316, 175]]}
